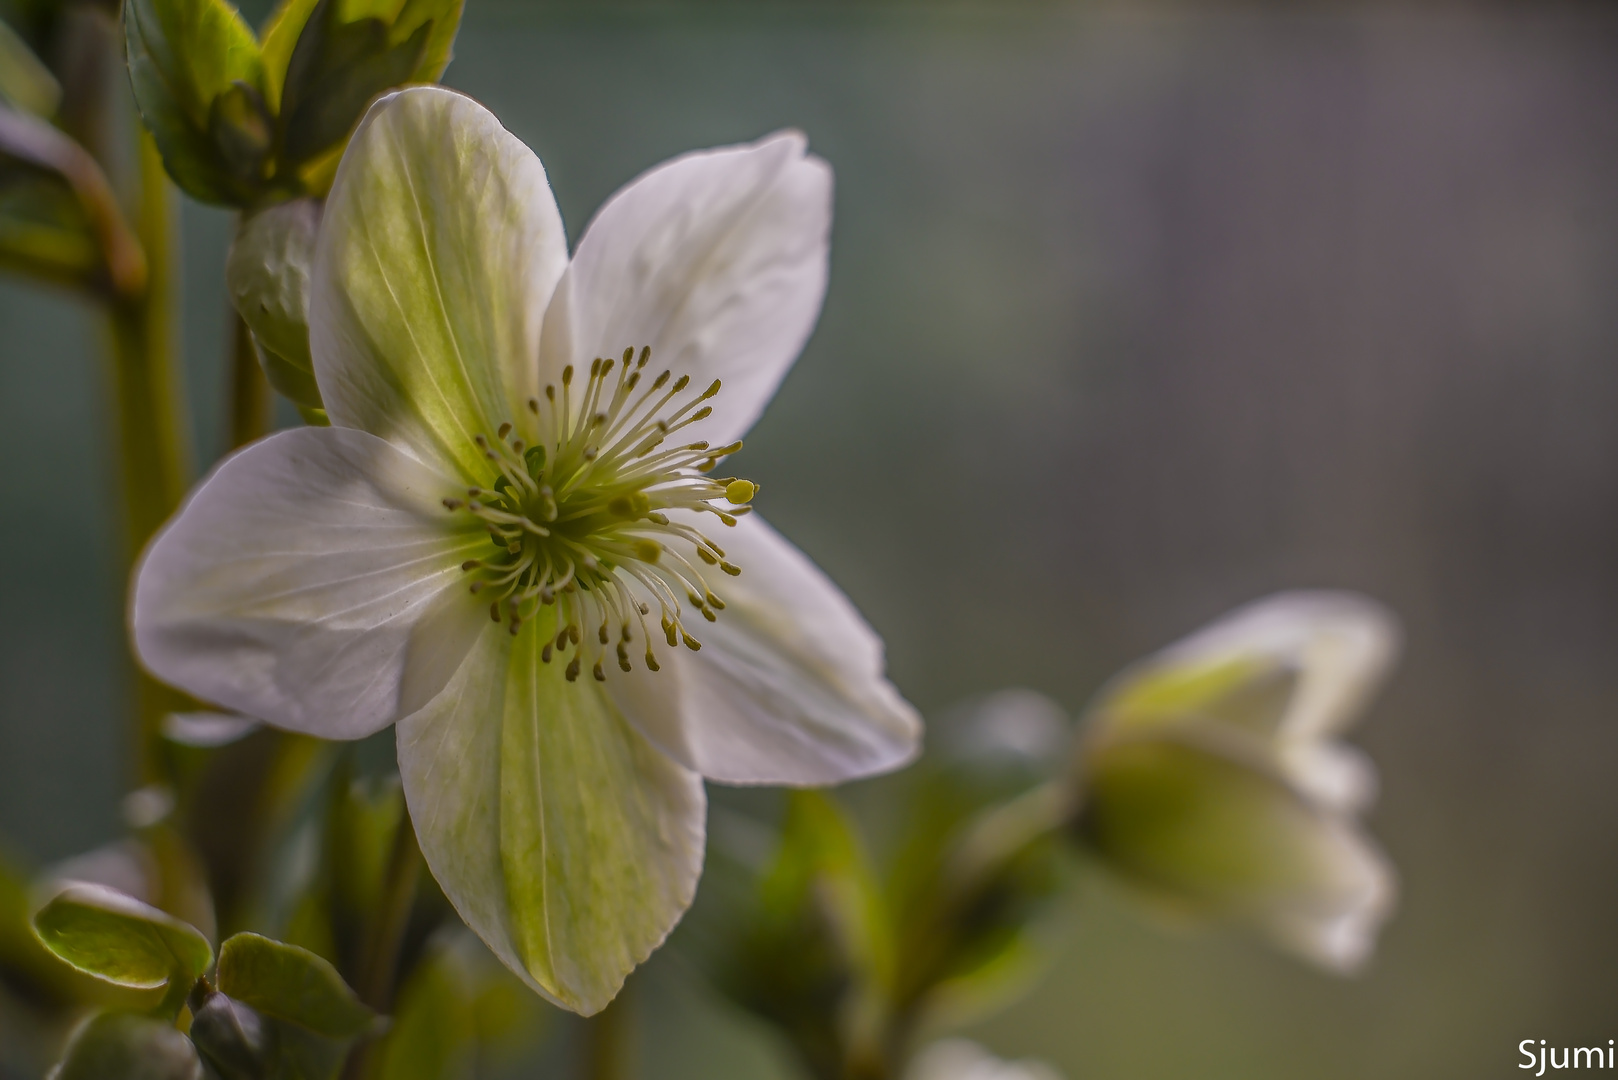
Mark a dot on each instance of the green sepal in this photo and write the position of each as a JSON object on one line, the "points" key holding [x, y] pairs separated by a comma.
{"points": [[183, 55], [287, 983], [129, 1046], [118, 939]]}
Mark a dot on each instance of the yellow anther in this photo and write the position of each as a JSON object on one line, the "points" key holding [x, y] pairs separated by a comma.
{"points": [[741, 492]]}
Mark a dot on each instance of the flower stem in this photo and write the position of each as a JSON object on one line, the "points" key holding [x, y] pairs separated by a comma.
{"points": [[379, 962], [608, 1037], [252, 405], [154, 453]]}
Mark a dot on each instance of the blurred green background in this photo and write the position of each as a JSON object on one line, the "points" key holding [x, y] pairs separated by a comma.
{"points": [[1135, 314]]}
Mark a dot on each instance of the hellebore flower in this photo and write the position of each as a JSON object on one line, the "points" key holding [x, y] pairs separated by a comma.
{"points": [[1213, 784], [507, 543]]}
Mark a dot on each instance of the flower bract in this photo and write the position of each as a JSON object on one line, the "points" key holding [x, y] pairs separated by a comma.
{"points": [[1213, 782], [511, 542]]}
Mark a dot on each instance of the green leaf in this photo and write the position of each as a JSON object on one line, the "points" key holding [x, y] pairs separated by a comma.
{"points": [[817, 956], [128, 1046], [58, 216], [291, 984], [404, 19], [43, 231], [25, 82], [183, 56], [278, 38], [110, 935], [335, 70]]}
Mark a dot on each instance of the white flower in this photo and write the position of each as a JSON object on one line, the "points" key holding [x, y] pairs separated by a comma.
{"points": [[507, 543], [961, 1059], [1213, 782]]}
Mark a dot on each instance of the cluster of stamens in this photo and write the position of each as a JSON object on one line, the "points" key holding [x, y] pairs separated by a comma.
{"points": [[577, 521]]}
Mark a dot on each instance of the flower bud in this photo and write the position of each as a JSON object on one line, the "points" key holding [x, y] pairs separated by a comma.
{"points": [[1211, 783], [233, 1038], [267, 274]]}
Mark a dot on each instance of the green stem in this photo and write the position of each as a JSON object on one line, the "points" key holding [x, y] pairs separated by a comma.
{"points": [[379, 959], [379, 965], [608, 1042], [153, 447], [252, 405]]}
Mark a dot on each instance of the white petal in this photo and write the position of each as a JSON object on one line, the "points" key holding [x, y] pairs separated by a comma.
{"points": [[1340, 645], [717, 261], [438, 252], [1340, 933], [304, 578], [567, 841], [788, 687]]}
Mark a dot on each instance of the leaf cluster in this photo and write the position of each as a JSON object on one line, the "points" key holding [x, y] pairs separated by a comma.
{"points": [[272, 1012], [246, 120], [853, 947]]}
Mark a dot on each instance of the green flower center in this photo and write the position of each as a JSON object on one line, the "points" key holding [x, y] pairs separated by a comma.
{"points": [[578, 523]]}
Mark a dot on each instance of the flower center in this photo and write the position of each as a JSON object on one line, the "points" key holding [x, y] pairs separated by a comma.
{"points": [[579, 523]]}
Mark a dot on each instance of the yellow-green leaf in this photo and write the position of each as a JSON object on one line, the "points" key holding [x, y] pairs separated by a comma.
{"points": [[291, 984], [113, 936]]}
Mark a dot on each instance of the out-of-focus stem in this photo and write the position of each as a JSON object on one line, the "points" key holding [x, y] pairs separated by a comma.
{"points": [[609, 1052], [379, 965], [379, 958], [149, 417], [252, 404]]}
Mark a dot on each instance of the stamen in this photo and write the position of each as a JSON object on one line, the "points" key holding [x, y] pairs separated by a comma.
{"points": [[580, 522]]}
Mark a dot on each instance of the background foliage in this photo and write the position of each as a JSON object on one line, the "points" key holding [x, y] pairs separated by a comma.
{"points": [[1145, 314]]}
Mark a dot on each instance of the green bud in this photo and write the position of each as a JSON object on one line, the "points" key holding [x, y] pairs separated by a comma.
{"points": [[267, 274], [233, 1038], [130, 1047], [184, 55]]}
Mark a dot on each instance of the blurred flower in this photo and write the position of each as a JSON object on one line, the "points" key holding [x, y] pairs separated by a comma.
{"points": [[1213, 783], [960, 1059], [478, 547]]}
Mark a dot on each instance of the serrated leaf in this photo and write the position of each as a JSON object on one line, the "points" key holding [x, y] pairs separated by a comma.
{"points": [[128, 1046], [114, 937], [292, 984], [183, 55]]}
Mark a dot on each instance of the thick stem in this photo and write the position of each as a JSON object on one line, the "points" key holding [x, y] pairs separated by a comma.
{"points": [[252, 405], [152, 442]]}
